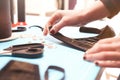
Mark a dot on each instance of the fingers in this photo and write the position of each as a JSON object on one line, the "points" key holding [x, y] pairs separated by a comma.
{"points": [[109, 40], [98, 47], [53, 20], [108, 63], [57, 26], [46, 29], [105, 53], [108, 55], [109, 44], [104, 59]]}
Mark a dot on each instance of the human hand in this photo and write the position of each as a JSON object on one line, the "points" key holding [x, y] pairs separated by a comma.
{"points": [[105, 53], [62, 18]]}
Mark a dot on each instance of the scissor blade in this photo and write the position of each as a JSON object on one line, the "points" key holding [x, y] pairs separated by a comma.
{"points": [[5, 52], [24, 46]]}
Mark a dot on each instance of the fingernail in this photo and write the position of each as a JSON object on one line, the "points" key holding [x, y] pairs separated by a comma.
{"points": [[96, 63], [50, 27], [84, 57], [52, 32]]}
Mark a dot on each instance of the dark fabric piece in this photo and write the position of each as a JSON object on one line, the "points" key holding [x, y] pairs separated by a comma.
{"points": [[85, 43], [89, 30], [55, 68], [16, 70], [113, 6]]}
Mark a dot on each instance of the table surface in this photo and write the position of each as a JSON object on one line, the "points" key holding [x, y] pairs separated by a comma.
{"points": [[55, 53]]}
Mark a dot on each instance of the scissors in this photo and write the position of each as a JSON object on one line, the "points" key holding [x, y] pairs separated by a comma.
{"points": [[30, 50]]}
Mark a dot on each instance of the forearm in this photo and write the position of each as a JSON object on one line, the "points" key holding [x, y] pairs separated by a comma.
{"points": [[113, 6], [95, 12]]}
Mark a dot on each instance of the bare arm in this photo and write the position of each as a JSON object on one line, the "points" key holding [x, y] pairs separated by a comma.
{"points": [[113, 6], [72, 17], [95, 12]]}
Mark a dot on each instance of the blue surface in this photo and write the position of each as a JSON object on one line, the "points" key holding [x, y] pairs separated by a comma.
{"points": [[59, 54]]}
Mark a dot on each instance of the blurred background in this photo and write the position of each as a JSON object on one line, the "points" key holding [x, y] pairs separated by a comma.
{"points": [[47, 7]]}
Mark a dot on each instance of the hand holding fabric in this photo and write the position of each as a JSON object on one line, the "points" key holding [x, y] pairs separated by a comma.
{"points": [[105, 53]]}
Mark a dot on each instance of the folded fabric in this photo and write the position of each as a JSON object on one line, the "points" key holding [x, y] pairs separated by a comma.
{"points": [[86, 43]]}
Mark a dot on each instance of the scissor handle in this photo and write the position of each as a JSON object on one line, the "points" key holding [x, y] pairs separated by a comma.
{"points": [[28, 53], [31, 50]]}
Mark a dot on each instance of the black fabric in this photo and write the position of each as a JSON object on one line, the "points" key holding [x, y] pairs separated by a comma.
{"points": [[16, 70], [89, 30], [55, 68], [85, 43]]}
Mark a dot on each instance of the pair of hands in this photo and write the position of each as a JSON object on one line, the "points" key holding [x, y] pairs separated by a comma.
{"points": [[105, 53]]}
